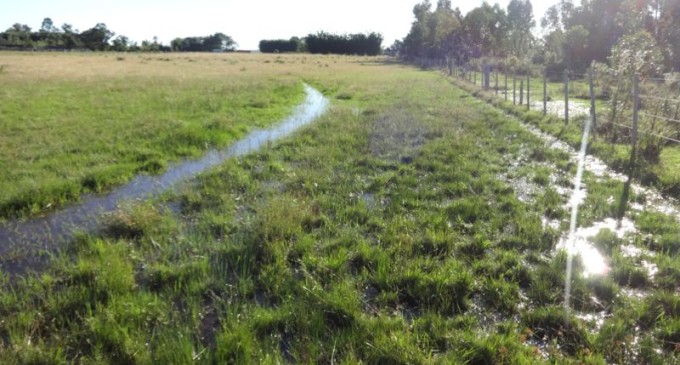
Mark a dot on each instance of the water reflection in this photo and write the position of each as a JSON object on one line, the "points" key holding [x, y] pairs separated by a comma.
{"points": [[594, 263]]}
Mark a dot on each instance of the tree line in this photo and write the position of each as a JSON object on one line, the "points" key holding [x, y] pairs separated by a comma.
{"points": [[573, 37], [325, 43], [100, 38], [294, 44]]}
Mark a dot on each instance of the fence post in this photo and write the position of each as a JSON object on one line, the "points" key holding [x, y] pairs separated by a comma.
{"points": [[545, 91], [487, 74], [514, 88], [521, 91], [474, 80], [528, 90], [636, 107], [566, 96], [592, 100], [505, 73], [496, 82]]}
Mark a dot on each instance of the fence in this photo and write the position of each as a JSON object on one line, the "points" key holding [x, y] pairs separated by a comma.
{"points": [[623, 108]]}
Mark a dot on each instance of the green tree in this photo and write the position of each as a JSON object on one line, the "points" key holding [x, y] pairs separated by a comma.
{"points": [[19, 35], [575, 47], [667, 16], [97, 38], [487, 29], [49, 33], [637, 53], [70, 37], [120, 44], [218, 41], [520, 23], [415, 43], [442, 24]]}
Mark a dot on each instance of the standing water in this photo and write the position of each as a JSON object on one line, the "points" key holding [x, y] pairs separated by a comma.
{"points": [[575, 202], [21, 241]]}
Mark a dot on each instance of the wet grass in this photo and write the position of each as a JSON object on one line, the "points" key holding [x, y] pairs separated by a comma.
{"points": [[387, 232], [662, 175]]}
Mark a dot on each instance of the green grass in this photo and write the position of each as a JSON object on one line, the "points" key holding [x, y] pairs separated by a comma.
{"points": [[67, 135], [662, 175], [383, 233]]}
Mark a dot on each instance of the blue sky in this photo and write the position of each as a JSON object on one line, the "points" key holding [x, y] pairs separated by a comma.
{"points": [[247, 21]]}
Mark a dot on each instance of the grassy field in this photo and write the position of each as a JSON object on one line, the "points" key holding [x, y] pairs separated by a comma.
{"points": [[73, 124], [391, 231]]}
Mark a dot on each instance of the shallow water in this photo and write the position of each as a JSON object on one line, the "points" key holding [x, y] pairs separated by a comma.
{"points": [[654, 200], [21, 240]]}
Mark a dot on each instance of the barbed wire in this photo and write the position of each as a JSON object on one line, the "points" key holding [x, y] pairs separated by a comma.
{"points": [[665, 79], [642, 131], [662, 137], [660, 117], [658, 98]]}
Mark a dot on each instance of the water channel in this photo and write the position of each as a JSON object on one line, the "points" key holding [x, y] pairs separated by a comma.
{"points": [[25, 243]]}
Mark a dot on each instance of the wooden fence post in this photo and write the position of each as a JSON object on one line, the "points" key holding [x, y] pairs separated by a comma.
{"points": [[521, 91], [566, 96], [592, 100], [496, 82], [529, 90], [514, 87], [505, 73], [636, 107], [545, 91]]}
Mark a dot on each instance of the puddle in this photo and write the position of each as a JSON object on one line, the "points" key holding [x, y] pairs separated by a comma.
{"points": [[594, 263], [21, 240], [653, 199], [556, 107]]}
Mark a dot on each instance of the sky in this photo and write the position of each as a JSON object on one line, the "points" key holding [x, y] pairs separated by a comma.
{"points": [[246, 21]]}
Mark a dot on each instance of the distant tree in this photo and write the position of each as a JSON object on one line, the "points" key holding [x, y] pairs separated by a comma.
{"points": [[487, 28], [70, 37], [360, 44], [667, 31], [96, 38], [19, 35], [396, 49], [120, 44], [218, 42], [416, 42], [575, 47], [280, 45], [48, 26], [520, 23]]}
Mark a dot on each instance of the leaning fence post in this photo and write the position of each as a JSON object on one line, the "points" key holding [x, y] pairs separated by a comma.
{"points": [[566, 96], [592, 100], [529, 90], [636, 107], [545, 91]]}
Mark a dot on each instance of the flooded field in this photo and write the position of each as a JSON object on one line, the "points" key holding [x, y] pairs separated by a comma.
{"points": [[22, 240]]}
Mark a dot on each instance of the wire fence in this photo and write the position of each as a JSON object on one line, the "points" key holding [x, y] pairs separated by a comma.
{"points": [[622, 106]]}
